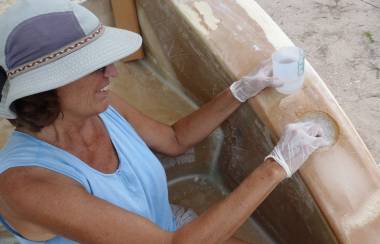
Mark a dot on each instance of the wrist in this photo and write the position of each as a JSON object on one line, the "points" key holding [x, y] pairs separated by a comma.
{"points": [[237, 90], [230, 94], [275, 169], [277, 157]]}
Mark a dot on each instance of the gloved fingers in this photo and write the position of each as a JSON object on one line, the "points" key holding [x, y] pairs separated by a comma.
{"points": [[298, 141], [314, 143], [321, 142], [309, 127], [303, 125], [264, 67], [275, 82], [291, 127], [267, 68], [266, 61], [296, 130], [314, 129], [318, 135]]}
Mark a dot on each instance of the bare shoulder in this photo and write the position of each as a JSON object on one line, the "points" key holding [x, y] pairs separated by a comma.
{"points": [[27, 191], [51, 204], [28, 188], [23, 179]]}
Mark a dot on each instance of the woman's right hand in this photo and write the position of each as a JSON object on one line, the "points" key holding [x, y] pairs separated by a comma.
{"points": [[297, 143]]}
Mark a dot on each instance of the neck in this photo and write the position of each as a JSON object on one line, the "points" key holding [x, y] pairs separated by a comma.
{"points": [[69, 130]]}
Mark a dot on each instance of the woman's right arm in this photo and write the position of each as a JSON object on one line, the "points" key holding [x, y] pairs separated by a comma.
{"points": [[62, 206], [222, 220]]}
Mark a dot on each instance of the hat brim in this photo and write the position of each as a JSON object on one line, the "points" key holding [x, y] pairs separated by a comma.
{"points": [[113, 45]]}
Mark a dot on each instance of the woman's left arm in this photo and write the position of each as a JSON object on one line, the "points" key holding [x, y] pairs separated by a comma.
{"points": [[193, 128], [186, 132]]}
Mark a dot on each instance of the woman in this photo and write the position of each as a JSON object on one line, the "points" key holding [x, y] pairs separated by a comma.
{"points": [[78, 167]]}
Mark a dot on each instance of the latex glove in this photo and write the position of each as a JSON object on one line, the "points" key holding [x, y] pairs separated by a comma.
{"points": [[297, 143], [182, 215], [250, 85]]}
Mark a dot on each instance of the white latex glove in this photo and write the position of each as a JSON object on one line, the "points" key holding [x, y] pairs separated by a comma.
{"points": [[182, 215], [297, 143], [250, 85]]}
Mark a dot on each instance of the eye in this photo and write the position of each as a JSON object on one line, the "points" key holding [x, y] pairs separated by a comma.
{"points": [[103, 69]]}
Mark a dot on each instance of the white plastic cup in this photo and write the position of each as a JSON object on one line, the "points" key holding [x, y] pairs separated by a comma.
{"points": [[288, 67]]}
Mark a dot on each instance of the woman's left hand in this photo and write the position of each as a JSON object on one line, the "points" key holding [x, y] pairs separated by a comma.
{"points": [[250, 85]]}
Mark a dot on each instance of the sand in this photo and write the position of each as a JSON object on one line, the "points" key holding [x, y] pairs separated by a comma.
{"points": [[341, 39]]}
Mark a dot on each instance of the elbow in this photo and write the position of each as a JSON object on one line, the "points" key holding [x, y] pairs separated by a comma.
{"points": [[173, 238], [177, 147], [190, 234], [182, 237], [176, 151]]}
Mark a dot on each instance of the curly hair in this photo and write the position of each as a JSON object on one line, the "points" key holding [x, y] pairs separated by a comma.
{"points": [[36, 111]]}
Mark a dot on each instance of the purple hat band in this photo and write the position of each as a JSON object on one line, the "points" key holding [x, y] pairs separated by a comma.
{"points": [[43, 39]]}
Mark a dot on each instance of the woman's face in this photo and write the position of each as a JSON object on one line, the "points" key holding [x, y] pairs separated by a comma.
{"points": [[88, 95]]}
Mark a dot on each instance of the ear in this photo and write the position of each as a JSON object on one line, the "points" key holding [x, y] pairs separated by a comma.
{"points": [[3, 79]]}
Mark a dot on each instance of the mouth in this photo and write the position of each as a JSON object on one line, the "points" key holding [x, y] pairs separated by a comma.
{"points": [[104, 90]]}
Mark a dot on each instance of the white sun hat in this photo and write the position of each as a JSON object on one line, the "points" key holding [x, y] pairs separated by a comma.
{"points": [[46, 44]]}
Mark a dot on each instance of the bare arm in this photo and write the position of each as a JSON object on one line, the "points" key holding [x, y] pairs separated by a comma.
{"points": [[63, 207], [190, 130], [223, 219], [185, 133]]}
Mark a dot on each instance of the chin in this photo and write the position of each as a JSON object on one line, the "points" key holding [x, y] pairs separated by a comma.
{"points": [[103, 106]]}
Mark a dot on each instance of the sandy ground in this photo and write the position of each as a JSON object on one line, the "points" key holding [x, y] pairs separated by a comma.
{"points": [[341, 39]]}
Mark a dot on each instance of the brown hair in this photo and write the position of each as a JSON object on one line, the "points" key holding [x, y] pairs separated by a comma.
{"points": [[36, 111]]}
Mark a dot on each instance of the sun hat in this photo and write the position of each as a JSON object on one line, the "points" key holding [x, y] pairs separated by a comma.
{"points": [[46, 44]]}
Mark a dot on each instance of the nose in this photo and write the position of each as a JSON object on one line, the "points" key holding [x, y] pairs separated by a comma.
{"points": [[111, 71]]}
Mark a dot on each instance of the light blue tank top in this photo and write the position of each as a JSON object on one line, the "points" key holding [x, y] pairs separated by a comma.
{"points": [[138, 185]]}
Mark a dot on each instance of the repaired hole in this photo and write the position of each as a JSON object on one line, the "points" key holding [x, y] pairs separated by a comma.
{"points": [[328, 124]]}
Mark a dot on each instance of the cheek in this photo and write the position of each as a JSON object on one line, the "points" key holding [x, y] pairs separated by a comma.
{"points": [[75, 98]]}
